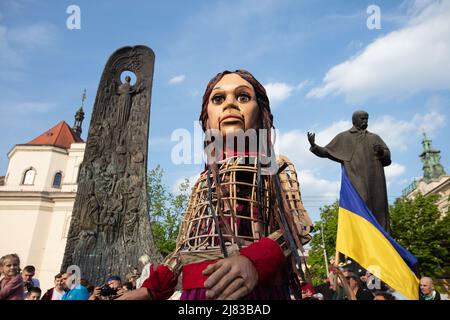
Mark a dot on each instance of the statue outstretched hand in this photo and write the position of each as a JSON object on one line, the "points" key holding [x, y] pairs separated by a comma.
{"points": [[312, 138], [231, 278]]}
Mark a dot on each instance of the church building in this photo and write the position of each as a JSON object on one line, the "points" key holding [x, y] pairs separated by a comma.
{"points": [[37, 195]]}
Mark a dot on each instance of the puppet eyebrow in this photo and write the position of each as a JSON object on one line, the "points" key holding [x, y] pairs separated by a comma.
{"points": [[241, 86]]}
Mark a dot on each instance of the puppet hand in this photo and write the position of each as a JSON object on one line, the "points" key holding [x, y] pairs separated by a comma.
{"points": [[312, 138], [230, 278], [138, 294]]}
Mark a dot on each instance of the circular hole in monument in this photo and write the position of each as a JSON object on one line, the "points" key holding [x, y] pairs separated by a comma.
{"points": [[130, 74]]}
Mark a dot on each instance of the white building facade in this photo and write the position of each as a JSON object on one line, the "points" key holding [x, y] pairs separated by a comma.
{"points": [[36, 199]]}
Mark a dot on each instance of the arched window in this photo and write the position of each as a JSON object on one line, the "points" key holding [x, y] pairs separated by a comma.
{"points": [[28, 177], [57, 180]]}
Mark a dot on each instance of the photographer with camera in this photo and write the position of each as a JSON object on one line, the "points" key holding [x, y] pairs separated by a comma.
{"points": [[111, 290]]}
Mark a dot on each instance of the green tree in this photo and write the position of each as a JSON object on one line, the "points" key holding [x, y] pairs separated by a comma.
{"points": [[419, 227], [328, 223], [166, 209]]}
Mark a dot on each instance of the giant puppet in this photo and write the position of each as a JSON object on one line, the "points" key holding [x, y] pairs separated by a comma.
{"points": [[245, 223]]}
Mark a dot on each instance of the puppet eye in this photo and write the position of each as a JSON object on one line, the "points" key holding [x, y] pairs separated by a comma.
{"points": [[243, 97], [218, 99]]}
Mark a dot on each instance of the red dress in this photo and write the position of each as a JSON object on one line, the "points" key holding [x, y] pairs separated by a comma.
{"points": [[265, 254]]}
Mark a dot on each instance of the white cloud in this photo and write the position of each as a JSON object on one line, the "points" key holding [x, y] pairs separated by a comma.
{"points": [[302, 84], [429, 122], [325, 136], [280, 91], [403, 62], [395, 133], [315, 189], [399, 134], [316, 192], [393, 171], [177, 79], [294, 144]]}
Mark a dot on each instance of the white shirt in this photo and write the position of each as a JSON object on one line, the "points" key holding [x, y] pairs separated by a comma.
{"points": [[57, 295], [144, 275]]}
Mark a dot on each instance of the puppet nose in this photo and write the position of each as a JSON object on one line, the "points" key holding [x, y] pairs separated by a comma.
{"points": [[230, 103]]}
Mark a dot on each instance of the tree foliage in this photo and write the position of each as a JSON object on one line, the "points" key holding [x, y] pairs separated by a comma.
{"points": [[419, 227], [416, 224], [166, 209], [316, 260]]}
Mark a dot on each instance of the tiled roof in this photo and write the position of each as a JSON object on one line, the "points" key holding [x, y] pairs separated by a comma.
{"points": [[60, 135]]}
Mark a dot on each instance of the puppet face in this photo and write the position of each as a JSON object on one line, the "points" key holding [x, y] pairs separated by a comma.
{"points": [[232, 105]]}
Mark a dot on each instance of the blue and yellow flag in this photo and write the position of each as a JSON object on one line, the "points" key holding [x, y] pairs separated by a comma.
{"points": [[362, 238]]}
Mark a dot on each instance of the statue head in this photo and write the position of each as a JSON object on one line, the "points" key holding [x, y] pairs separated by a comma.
{"points": [[360, 119], [235, 101]]}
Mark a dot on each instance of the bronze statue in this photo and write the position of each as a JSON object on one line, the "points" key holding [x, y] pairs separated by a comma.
{"points": [[364, 156], [110, 227]]}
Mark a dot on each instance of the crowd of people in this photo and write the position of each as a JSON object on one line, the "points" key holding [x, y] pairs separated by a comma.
{"points": [[361, 285], [21, 284]]}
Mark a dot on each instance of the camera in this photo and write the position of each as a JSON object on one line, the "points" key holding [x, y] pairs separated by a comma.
{"points": [[107, 291]]}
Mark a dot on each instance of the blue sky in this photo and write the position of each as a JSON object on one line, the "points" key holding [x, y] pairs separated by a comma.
{"points": [[318, 60]]}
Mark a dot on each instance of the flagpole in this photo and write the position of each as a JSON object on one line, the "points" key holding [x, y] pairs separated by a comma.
{"points": [[324, 252], [336, 261], [336, 277]]}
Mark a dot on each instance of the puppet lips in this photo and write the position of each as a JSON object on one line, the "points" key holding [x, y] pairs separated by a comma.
{"points": [[232, 118]]}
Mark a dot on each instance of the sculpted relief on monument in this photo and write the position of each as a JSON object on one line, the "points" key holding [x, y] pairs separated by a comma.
{"points": [[110, 227]]}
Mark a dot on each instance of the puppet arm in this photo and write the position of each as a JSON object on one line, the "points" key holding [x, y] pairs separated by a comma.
{"points": [[236, 276], [268, 255], [162, 281]]}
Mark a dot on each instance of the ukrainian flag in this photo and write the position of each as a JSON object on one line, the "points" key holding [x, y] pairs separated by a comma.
{"points": [[362, 238]]}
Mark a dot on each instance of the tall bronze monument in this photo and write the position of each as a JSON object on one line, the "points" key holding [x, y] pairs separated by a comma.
{"points": [[110, 226]]}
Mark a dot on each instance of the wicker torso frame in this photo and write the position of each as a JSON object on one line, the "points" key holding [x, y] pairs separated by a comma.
{"points": [[291, 188], [246, 208]]}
